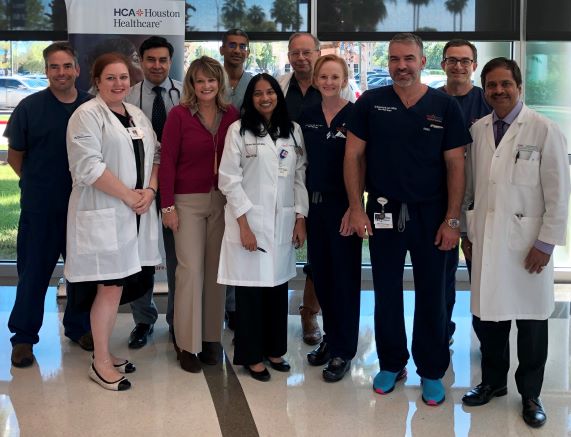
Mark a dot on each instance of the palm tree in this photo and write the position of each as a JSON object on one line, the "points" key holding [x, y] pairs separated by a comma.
{"points": [[285, 12], [256, 15], [352, 15], [233, 13], [416, 4], [456, 7]]}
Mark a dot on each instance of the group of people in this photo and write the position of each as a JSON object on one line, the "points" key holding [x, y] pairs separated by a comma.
{"points": [[243, 169]]}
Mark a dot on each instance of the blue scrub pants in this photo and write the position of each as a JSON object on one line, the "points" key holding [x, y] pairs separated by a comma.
{"points": [[336, 267], [40, 242], [388, 248]]}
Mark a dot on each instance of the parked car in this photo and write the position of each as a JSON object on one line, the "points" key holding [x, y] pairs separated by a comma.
{"points": [[13, 89], [354, 88]]}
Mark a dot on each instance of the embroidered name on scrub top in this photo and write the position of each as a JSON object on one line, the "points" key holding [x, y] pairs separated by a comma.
{"points": [[436, 122], [385, 108]]}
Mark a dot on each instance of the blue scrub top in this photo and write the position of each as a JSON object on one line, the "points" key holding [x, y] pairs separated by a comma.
{"points": [[325, 148], [405, 147], [473, 105], [38, 127]]}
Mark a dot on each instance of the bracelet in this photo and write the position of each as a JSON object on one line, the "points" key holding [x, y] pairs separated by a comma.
{"points": [[153, 190], [168, 209]]}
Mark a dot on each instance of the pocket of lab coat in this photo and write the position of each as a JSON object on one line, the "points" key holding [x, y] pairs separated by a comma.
{"points": [[523, 232], [96, 231], [255, 219], [526, 172], [285, 221]]}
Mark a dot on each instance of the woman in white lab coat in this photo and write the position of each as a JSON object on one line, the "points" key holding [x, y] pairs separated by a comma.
{"points": [[262, 174], [112, 227]]}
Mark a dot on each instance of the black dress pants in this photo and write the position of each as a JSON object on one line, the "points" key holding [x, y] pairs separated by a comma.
{"points": [[261, 323], [531, 352]]}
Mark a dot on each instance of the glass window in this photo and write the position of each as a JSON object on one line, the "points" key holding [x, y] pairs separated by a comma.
{"points": [[548, 19], [548, 91], [263, 16], [418, 16]]}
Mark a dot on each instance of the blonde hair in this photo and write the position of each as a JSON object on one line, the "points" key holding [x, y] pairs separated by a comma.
{"points": [[327, 58], [210, 68]]}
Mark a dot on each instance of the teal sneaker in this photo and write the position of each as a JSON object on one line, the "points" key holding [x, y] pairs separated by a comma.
{"points": [[433, 393], [385, 381]]}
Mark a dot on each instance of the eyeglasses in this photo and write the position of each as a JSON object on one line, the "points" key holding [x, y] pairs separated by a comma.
{"points": [[464, 62], [233, 45], [299, 53]]}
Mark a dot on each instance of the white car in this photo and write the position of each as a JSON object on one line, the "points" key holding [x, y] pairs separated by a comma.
{"points": [[13, 89]]}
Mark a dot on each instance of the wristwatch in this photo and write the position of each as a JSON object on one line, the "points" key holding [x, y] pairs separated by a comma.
{"points": [[453, 223], [168, 209]]}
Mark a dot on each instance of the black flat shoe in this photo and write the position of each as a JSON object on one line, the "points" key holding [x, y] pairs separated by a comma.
{"points": [[262, 375], [139, 335], [320, 355], [282, 366], [189, 362], [336, 369], [121, 384], [482, 394], [533, 412]]}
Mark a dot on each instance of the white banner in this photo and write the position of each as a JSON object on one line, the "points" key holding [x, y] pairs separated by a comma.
{"points": [[127, 17]]}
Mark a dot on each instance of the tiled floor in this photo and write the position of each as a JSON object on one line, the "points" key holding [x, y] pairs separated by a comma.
{"points": [[56, 398]]}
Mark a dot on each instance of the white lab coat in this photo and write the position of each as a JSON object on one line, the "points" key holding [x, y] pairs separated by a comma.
{"points": [[102, 239], [516, 202], [251, 179], [285, 79]]}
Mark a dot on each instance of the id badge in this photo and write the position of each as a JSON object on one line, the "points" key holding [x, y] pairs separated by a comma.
{"points": [[383, 223], [282, 172], [136, 133]]}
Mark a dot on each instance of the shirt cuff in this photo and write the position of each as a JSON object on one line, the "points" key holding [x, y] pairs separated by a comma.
{"points": [[298, 215], [544, 247]]}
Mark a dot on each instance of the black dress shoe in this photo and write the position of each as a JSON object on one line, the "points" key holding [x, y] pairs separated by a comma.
{"points": [[320, 355], [189, 362], [138, 337], [482, 394], [336, 369], [533, 412], [262, 375], [282, 366]]}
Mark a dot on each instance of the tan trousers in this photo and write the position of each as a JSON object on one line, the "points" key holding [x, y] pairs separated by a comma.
{"points": [[199, 299]]}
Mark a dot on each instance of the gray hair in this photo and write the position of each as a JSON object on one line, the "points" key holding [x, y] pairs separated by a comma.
{"points": [[408, 38], [298, 34]]}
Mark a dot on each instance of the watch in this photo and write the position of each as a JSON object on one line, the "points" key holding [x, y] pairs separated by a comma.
{"points": [[453, 223], [168, 209]]}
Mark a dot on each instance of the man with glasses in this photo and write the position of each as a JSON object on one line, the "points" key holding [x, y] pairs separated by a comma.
{"points": [[517, 181], [156, 95], [406, 146], [235, 49], [459, 61], [303, 51]]}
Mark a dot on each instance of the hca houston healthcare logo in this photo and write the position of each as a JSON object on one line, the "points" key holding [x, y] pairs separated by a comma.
{"points": [[141, 17]]}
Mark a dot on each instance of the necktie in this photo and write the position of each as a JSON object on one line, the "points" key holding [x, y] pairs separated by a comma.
{"points": [[500, 130], [159, 114]]}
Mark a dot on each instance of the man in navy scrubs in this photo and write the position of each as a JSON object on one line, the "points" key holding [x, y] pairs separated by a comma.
{"points": [[37, 153], [406, 146], [459, 61]]}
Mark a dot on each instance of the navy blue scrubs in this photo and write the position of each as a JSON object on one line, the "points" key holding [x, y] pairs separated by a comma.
{"points": [[405, 164], [38, 127], [473, 107], [335, 260]]}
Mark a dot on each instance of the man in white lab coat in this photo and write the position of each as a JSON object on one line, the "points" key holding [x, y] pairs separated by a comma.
{"points": [[518, 180]]}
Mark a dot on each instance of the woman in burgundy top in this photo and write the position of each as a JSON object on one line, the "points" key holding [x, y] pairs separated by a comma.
{"points": [[193, 207]]}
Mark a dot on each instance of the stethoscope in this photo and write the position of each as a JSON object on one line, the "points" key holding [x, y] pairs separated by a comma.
{"points": [[172, 88]]}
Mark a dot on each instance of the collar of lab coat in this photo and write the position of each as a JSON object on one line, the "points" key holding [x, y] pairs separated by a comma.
{"points": [[513, 130], [113, 118]]}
